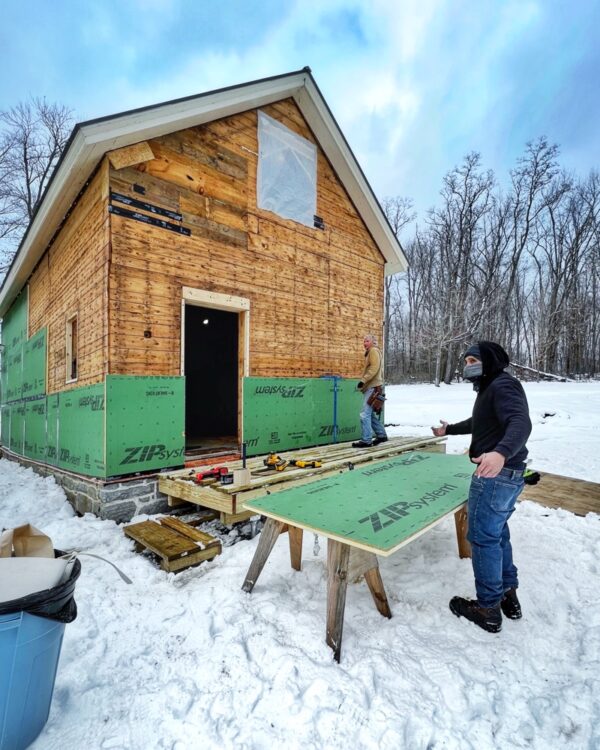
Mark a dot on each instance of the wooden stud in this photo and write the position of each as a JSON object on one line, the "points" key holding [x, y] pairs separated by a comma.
{"points": [[375, 584], [230, 518], [337, 582], [268, 537], [129, 155], [175, 502], [461, 523], [295, 538]]}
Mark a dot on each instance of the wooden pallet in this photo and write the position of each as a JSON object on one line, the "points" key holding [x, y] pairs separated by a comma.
{"points": [[555, 491], [228, 499], [177, 544]]}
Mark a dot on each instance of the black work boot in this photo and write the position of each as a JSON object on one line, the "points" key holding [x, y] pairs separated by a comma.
{"points": [[361, 444], [378, 440], [510, 605], [488, 618]]}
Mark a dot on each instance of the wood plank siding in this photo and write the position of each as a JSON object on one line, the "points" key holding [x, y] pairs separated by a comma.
{"points": [[313, 293], [72, 279]]}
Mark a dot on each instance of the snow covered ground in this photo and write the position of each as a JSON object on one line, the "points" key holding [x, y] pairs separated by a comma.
{"points": [[190, 661]]}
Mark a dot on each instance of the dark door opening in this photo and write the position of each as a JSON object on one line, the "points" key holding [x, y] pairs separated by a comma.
{"points": [[211, 378]]}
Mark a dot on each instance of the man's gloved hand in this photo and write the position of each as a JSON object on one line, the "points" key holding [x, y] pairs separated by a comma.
{"points": [[360, 385], [531, 477]]}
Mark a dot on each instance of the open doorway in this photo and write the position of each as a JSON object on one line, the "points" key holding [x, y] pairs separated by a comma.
{"points": [[212, 379]]}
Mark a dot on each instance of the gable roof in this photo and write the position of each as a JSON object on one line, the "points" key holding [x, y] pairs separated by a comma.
{"points": [[90, 140]]}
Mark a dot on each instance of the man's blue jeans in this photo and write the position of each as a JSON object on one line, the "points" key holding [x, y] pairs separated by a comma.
{"points": [[490, 505], [369, 423]]}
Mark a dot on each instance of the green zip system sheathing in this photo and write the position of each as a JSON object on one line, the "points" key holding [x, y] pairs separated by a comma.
{"points": [[80, 430], [145, 423], [286, 413], [34, 366], [379, 504], [125, 425], [14, 337]]}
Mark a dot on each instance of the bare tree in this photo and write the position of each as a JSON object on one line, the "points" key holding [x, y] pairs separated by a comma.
{"points": [[33, 135], [399, 212], [521, 267]]}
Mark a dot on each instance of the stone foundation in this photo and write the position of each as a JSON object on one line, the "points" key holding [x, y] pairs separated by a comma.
{"points": [[116, 499]]}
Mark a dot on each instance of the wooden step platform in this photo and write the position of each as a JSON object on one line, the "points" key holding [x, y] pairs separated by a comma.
{"points": [[177, 544], [179, 485], [555, 491]]}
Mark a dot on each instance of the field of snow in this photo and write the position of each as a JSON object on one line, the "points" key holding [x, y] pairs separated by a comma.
{"points": [[189, 661]]}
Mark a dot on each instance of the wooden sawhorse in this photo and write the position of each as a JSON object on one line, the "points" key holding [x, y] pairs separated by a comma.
{"points": [[344, 562]]}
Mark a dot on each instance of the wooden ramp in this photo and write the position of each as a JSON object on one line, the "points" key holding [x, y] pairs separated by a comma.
{"points": [[179, 485], [555, 491]]}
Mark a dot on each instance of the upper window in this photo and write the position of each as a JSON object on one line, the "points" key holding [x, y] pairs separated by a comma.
{"points": [[287, 172]]}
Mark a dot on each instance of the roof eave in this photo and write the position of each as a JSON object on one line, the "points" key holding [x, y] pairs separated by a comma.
{"points": [[91, 140]]}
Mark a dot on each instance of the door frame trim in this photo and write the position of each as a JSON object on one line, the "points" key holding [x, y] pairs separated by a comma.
{"points": [[228, 303]]}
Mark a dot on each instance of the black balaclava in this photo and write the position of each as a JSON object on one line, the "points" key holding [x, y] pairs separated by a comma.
{"points": [[494, 360]]}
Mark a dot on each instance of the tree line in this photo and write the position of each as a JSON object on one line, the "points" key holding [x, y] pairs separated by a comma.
{"points": [[520, 266], [33, 135]]}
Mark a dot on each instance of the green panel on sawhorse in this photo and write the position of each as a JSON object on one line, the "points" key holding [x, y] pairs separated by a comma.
{"points": [[378, 506], [81, 430], [34, 445], [145, 423]]}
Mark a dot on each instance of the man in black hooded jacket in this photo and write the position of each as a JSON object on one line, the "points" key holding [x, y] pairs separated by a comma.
{"points": [[499, 426]]}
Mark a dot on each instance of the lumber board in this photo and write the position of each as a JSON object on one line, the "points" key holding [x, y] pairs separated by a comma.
{"points": [[556, 491], [205, 496], [129, 155], [160, 539], [230, 499], [189, 531], [180, 563], [177, 544]]}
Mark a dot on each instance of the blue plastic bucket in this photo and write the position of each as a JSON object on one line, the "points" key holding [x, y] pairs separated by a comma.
{"points": [[29, 652]]}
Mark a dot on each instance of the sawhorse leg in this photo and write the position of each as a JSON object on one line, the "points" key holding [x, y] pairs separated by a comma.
{"points": [[461, 522], [267, 539], [344, 562], [295, 537]]}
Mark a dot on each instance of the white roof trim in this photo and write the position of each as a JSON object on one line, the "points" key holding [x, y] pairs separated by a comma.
{"points": [[92, 140]]}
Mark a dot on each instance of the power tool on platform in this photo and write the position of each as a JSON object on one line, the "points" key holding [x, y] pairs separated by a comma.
{"points": [[218, 473], [273, 461], [306, 463]]}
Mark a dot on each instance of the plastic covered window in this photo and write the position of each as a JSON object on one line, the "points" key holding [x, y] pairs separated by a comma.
{"points": [[287, 172]]}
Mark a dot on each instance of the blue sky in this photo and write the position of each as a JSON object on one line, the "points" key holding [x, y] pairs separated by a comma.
{"points": [[414, 84]]}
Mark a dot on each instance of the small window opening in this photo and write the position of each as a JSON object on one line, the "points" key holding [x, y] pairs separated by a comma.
{"points": [[72, 348]]}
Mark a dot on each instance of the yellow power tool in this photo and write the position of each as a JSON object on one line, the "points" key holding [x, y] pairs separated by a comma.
{"points": [[273, 461]]}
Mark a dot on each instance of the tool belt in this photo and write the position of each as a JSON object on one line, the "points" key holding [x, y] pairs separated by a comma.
{"points": [[376, 399]]}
